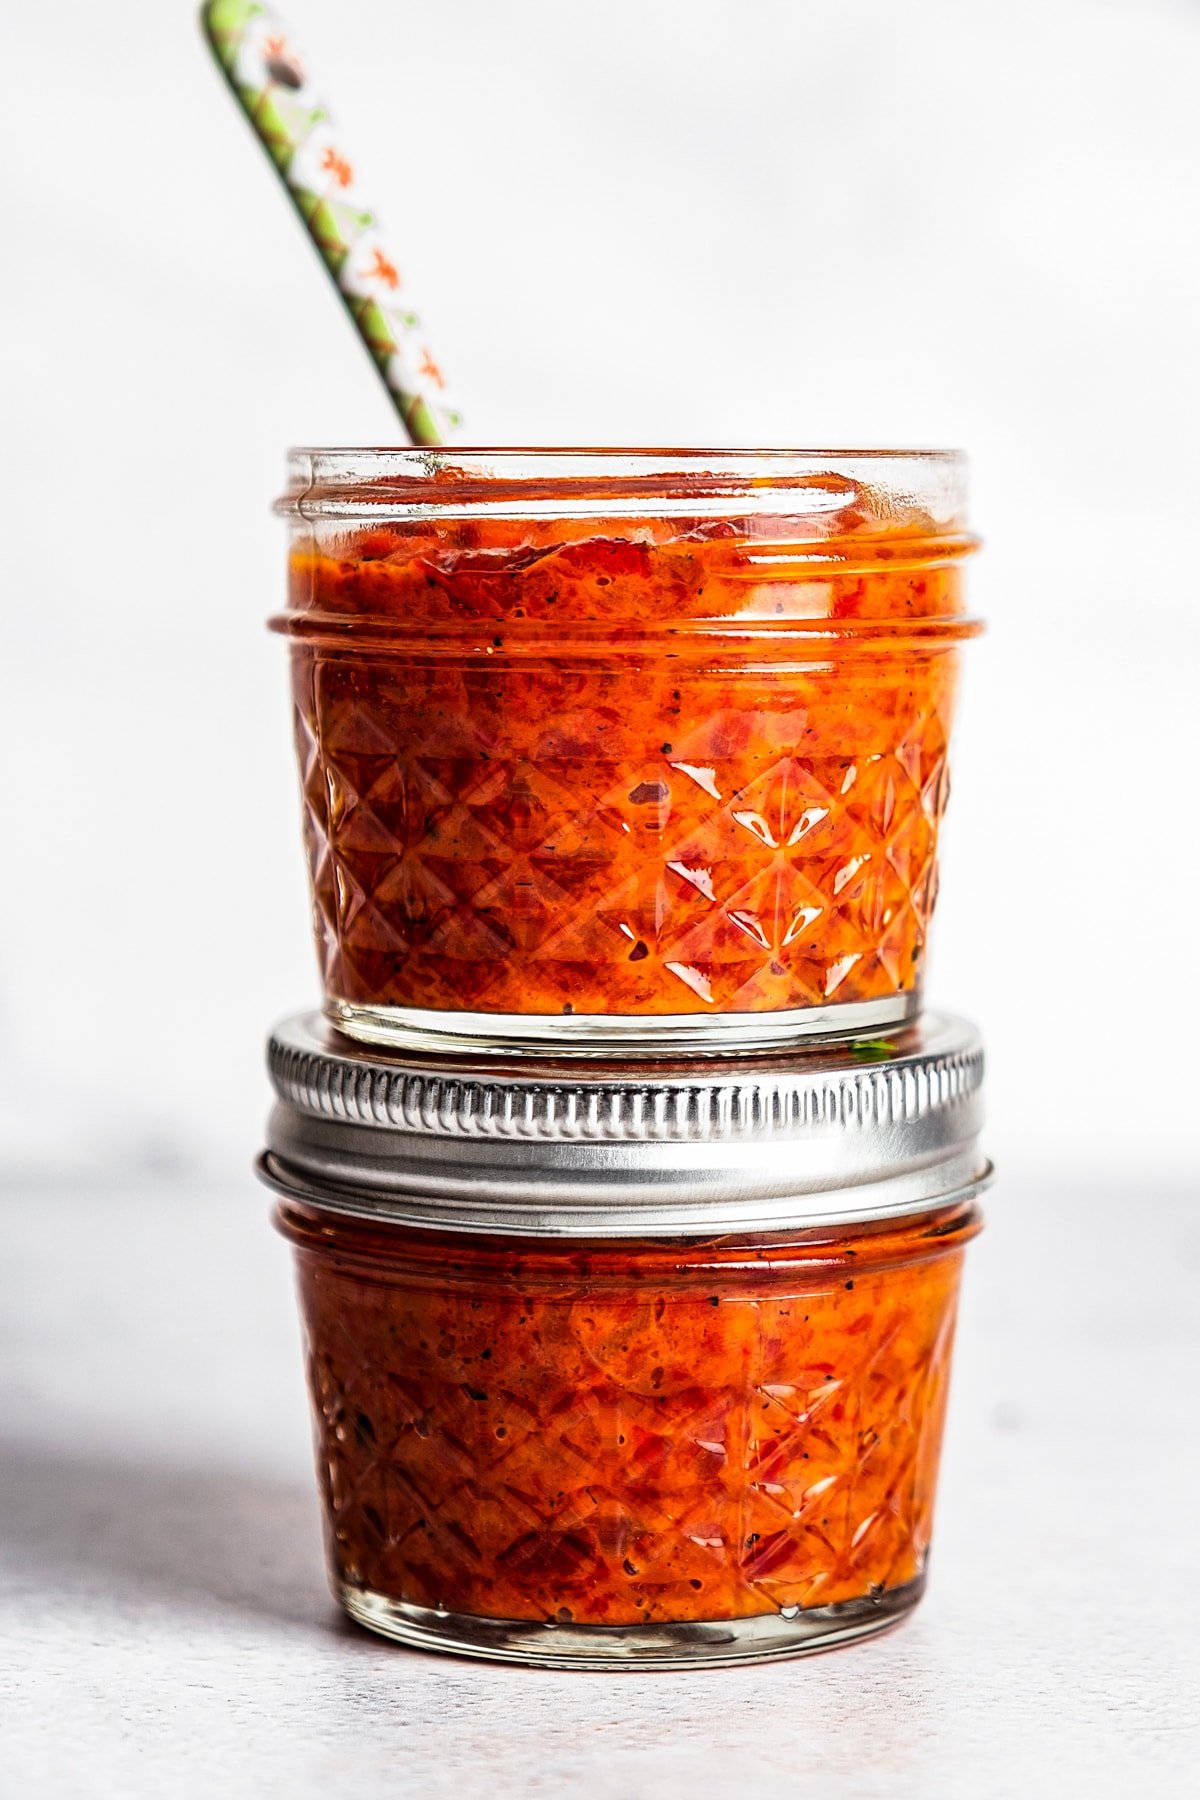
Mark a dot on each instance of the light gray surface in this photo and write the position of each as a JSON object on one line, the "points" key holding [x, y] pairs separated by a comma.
{"points": [[164, 1627]]}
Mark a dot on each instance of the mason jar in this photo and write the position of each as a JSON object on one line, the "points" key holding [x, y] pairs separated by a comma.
{"points": [[613, 1370], [623, 752]]}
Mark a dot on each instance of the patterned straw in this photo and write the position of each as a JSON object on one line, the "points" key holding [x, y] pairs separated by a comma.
{"points": [[259, 59]]}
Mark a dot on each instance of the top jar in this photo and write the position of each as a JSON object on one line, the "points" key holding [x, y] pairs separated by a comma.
{"points": [[623, 751]]}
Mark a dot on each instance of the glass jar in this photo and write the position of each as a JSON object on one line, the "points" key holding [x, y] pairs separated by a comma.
{"points": [[623, 752], [584, 1397]]}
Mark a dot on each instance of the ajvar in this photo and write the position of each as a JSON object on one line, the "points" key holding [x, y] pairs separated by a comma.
{"points": [[627, 1433], [624, 766]]}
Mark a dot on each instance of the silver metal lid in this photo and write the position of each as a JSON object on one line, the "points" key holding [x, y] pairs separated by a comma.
{"points": [[829, 1135]]}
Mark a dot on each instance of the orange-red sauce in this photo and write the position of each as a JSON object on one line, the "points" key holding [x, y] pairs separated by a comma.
{"points": [[626, 1433], [612, 766]]}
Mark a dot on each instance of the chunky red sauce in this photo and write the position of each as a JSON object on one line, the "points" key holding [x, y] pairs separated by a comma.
{"points": [[620, 1434], [644, 766]]}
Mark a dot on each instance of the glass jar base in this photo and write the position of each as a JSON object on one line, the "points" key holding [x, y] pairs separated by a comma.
{"points": [[619, 1035], [796, 1631]]}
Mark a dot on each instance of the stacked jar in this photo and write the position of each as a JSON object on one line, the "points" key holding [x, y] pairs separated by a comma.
{"points": [[628, 1181]]}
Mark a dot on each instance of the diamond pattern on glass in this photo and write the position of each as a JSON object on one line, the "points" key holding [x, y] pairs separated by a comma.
{"points": [[459, 864], [789, 1462]]}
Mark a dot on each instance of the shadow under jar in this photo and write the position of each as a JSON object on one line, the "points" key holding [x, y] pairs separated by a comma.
{"points": [[618, 752], [610, 1372]]}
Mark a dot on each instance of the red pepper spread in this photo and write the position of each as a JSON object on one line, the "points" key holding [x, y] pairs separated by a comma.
{"points": [[622, 1434], [630, 766]]}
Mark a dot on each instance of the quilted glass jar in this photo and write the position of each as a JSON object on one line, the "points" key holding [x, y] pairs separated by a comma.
{"points": [[623, 752], [607, 1372]]}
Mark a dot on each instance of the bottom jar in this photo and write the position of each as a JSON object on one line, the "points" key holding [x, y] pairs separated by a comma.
{"points": [[611, 1373]]}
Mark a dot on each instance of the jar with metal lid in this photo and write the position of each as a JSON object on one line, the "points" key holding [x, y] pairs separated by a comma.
{"points": [[614, 1368]]}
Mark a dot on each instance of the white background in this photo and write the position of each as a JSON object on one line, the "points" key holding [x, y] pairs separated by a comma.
{"points": [[966, 222], [649, 221]]}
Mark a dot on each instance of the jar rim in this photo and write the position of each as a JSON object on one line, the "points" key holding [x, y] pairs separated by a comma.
{"points": [[939, 1228], [890, 487]]}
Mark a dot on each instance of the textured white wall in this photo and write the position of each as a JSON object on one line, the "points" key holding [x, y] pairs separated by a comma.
{"points": [[669, 221]]}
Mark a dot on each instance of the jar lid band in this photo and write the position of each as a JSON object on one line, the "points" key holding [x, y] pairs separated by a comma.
{"points": [[823, 1135]]}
